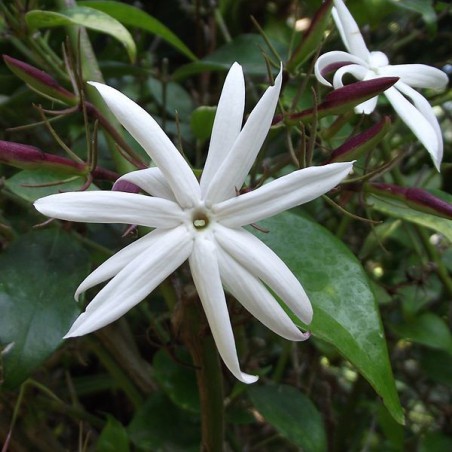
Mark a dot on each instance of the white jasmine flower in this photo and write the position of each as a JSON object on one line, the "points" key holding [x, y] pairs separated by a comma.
{"points": [[199, 221], [411, 106]]}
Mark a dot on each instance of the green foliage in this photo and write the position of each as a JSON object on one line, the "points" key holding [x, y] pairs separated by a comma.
{"points": [[292, 414], [376, 374], [345, 312], [37, 299]]}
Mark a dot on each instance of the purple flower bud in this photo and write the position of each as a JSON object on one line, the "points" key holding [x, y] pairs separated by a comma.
{"points": [[40, 81], [417, 198], [343, 99], [357, 145], [25, 156], [125, 186]]}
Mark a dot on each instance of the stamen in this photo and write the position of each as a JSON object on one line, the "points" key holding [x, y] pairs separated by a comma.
{"points": [[200, 220]]}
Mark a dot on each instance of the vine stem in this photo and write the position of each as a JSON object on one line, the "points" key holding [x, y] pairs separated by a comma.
{"points": [[191, 322]]}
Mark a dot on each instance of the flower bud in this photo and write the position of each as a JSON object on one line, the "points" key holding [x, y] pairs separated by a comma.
{"points": [[30, 157], [416, 198], [40, 81], [344, 99], [359, 144]]}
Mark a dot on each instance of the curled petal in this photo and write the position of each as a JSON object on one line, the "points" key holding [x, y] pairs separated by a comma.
{"points": [[349, 30], [150, 180], [236, 165], [206, 276], [227, 124], [332, 61], [419, 118], [255, 297], [111, 207], [356, 70], [281, 194], [155, 142], [417, 75], [120, 260], [134, 282], [262, 262]]}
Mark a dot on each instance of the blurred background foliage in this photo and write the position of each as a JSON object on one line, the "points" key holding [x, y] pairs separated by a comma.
{"points": [[131, 386]]}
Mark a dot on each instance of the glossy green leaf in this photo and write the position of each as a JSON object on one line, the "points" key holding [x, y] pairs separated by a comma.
{"points": [[113, 437], [201, 122], [397, 209], [427, 329], [345, 311], [423, 7], [292, 414], [39, 275], [86, 17], [159, 425], [177, 379], [246, 49], [135, 17], [36, 183]]}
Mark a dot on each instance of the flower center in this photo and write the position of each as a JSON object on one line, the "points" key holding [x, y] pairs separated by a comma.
{"points": [[200, 220]]}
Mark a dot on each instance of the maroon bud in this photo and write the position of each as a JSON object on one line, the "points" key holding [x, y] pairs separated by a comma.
{"points": [[125, 186], [417, 198], [40, 81]]}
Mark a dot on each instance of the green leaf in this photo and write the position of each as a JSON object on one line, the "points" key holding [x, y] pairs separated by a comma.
{"points": [[345, 311], [135, 17], [26, 183], [177, 379], [435, 442], [397, 209], [40, 272], [437, 365], [201, 122], [86, 17], [245, 49], [113, 437], [292, 414], [176, 99], [427, 329], [422, 7], [159, 425]]}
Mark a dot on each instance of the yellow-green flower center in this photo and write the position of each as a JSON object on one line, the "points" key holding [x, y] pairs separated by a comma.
{"points": [[200, 220]]}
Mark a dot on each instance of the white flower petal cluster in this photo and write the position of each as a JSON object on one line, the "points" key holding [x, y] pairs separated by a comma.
{"points": [[362, 64], [199, 221]]}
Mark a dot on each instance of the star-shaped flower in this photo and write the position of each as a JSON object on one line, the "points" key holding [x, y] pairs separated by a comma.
{"points": [[199, 221], [411, 106]]}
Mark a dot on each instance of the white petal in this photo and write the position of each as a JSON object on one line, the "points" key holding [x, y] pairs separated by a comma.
{"points": [[356, 70], [120, 260], [227, 124], [281, 194], [150, 180], [262, 262], [255, 297], [206, 276], [417, 75], [420, 119], [367, 107], [155, 142], [236, 165], [332, 61], [111, 207], [134, 282], [349, 30]]}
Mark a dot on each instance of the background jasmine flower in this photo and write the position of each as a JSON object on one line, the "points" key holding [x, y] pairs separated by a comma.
{"points": [[199, 221], [411, 106]]}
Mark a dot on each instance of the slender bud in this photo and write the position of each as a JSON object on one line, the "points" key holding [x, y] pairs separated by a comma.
{"points": [[40, 81], [359, 144], [312, 38], [30, 157], [416, 198], [344, 99]]}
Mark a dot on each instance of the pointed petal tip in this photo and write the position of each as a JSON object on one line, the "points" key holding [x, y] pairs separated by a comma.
{"points": [[248, 379]]}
